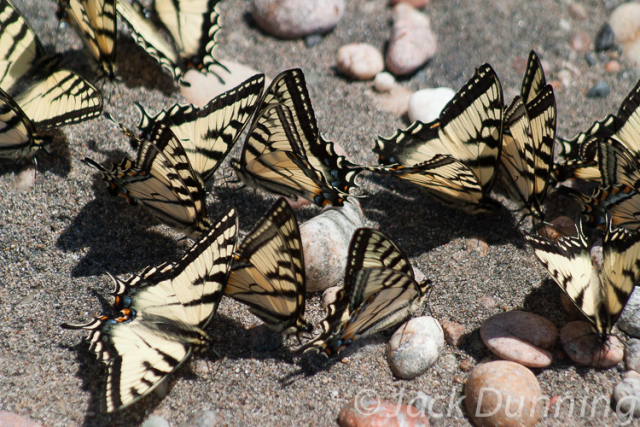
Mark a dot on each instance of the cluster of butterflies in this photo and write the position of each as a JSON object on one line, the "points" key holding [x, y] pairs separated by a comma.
{"points": [[160, 315]]}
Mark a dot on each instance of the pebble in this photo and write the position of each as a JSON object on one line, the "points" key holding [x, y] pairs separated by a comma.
{"points": [[625, 24], [590, 58], [396, 101], [488, 302], [454, 333], [632, 355], [312, 40], [585, 348], [605, 39], [612, 66], [384, 82], [426, 104], [414, 347], [565, 77], [466, 365], [599, 90], [415, 3], [360, 61], [296, 18], [329, 295], [629, 320], [492, 385], [627, 396], [580, 41], [477, 244], [25, 179], [202, 419], [412, 41], [10, 419], [577, 11], [205, 87], [370, 412], [325, 242], [520, 336], [155, 421]]}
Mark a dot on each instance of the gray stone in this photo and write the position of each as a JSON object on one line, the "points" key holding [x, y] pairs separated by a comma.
{"points": [[415, 346], [412, 41], [632, 355], [202, 419], [290, 19], [629, 320], [627, 396]]}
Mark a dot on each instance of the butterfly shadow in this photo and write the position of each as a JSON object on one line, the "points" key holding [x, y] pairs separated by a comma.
{"points": [[55, 157]]}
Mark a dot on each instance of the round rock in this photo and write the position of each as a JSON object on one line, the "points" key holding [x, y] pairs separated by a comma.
{"points": [[155, 421], [365, 410], [599, 90], [522, 337], [627, 396], [629, 320], [415, 346], [384, 82], [360, 61], [290, 19], [494, 385], [625, 24], [202, 419], [412, 41], [587, 349], [325, 242], [10, 419], [426, 104], [454, 333], [580, 41]]}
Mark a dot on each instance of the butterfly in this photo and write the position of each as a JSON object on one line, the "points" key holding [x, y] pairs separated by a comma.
{"points": [[162, 180], [161, 316], [207, 134], [268, 271], [600, 290], [37, 95], [95, 21], [284, 152], [455, 158], [379, 292], [193, 25]]}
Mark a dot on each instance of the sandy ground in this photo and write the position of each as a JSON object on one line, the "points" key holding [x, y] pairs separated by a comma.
{"points": [[60, 238]]}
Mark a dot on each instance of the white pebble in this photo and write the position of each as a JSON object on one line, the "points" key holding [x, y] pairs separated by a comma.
{"points": [[629, 320], [412, 41], [325, 242], [384, 82], [360, 61], [415, 346], [627, 397], [25, 179], [296, 18], [625, 23], [155, 421], [426, 104], [202, 419]]}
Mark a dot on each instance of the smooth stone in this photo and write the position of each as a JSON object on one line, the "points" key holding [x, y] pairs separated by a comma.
{"points": [[599, 90], [580, 41], [522, 337], [625, 24], [488, 302], [412, 42], [585, 348], [605, 39], [477, 244], [629, 320], [415, 3], [325, 242], [384, 82], [366, 411], [426, 104], [25, 179], [360, 61], [415, 346], [202, 419], [627, 396], [577, 11], [205, 87], [290, 19], [632, 355], [155, 421], [454, 333], [590, 58], [312, 40], [503, 393], [9, 419], [612, 66], [396, 101], [329, 295]]}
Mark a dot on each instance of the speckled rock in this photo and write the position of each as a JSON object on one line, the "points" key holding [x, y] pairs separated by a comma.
{"points": [[366, 411], [492, 385], [426, 104], [289, 19], [478, 245], [629, 320], [360, 61], [384, 82], [205, 87], [415, 346], [632, 355], [155, 421], [625, 23], [412, 41], [627, 395], [454, 333], [586, 348], [415, 3], [8, 419], [522, 337], [25, 179], [325, 242], [202, 419]]}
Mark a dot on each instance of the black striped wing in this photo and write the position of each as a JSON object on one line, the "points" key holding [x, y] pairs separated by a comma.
{"points": [[268, 272], [162, 180], [95, 21], [534, 81], [208, 134], [162, 316], [17, 134], [469, 131], [527, 150]]}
